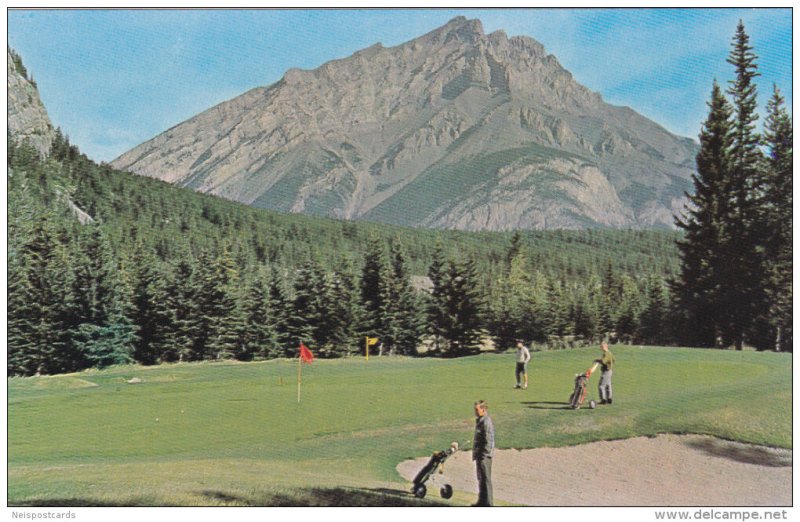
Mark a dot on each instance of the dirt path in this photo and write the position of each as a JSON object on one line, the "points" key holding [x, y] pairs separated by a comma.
{"points": [[668, 470]]}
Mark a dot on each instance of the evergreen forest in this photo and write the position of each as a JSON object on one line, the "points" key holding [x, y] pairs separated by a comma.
{"points": [[106, 267]]}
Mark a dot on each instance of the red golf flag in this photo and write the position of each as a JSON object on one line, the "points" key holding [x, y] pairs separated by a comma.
{"points": [[305, 354]]}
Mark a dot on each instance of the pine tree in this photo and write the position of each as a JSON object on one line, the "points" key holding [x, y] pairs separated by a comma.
{"points": [[373, 291], [464, 306], [207, 295], [306, 318], [514, 250], [699, 286], [45, 293], [611, 294], [401, 307], [327, 326], [778, 138], [387, 324], [22, 319], [120, 329], [95, 271], [652, 322], [515, 314], [538, 326], [182, 293], [502, 321], [558, 314], [228, 321], [342, 312], [106, 344], [629, 310], [436, 306], [22, 304], [104, 334], [583, 317], [742, 294], [259, 338], [149, 312], [280, 306]]}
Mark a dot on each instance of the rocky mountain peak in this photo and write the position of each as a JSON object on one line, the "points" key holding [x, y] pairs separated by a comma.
{"points": [[27, 116], [453, 129], [466, 30]]}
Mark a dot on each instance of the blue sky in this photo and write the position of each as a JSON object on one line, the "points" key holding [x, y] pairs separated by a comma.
{"points": [[112, 79]]}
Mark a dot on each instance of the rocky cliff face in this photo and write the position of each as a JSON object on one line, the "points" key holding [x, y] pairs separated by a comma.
{"points": [[455, 129], [27, 117]]}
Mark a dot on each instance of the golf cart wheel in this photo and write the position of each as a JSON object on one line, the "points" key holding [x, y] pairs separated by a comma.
{"points": [[420, 490], [446, 491]]}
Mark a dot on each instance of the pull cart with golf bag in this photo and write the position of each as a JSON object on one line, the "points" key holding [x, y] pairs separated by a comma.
{"points": [[428, 472], [581, 386]]}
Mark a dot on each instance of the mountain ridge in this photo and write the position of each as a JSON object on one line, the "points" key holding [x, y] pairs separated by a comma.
{"points": [[27, 117], [377, 134]]}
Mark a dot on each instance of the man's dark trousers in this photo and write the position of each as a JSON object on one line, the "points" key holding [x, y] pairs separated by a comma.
{"points": [[483, 467]]}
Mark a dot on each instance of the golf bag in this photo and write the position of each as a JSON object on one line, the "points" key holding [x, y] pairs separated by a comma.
{"points": [[435, 463], [579, 393]]}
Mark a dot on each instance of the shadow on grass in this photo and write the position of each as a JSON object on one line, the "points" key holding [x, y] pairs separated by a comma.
{"points": [[85, 502], [220, 497], [548, 405], [748, 454], [348, 497], [309, 497]]}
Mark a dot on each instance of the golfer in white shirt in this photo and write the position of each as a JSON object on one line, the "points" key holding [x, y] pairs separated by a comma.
{"points": [[523, 356]]}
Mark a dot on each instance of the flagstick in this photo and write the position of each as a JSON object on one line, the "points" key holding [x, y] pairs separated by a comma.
{"points": [[366, 347], [299, 371]]}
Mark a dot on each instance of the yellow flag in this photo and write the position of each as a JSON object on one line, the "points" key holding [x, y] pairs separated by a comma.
{"points": [[372, 340]]}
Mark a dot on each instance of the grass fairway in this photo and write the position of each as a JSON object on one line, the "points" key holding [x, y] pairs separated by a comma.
{"points": [[234, 434]]}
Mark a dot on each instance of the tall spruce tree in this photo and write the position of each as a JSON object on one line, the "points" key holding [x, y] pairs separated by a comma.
{"points": [[326, 327], [307, 313], [629, 311], [201, 320], [742, 293], [95, 277], [119, 330], [436, 305], [583, 323], [652, 322], [778, 138], [182, 292], [280, 306], [400, 312], [537, 323], [21, 320], [514, 314], [558, 314], [226, 339], [49, 295], [373, 290], [465, 308], [259, 338], [343, 312], [699, 287], [149, 310]]}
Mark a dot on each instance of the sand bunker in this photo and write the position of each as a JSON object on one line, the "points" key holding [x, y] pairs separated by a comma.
{"points": [[668, 470]]}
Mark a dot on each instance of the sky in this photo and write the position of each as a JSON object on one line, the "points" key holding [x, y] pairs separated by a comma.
{"points": [[112, 79]]}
